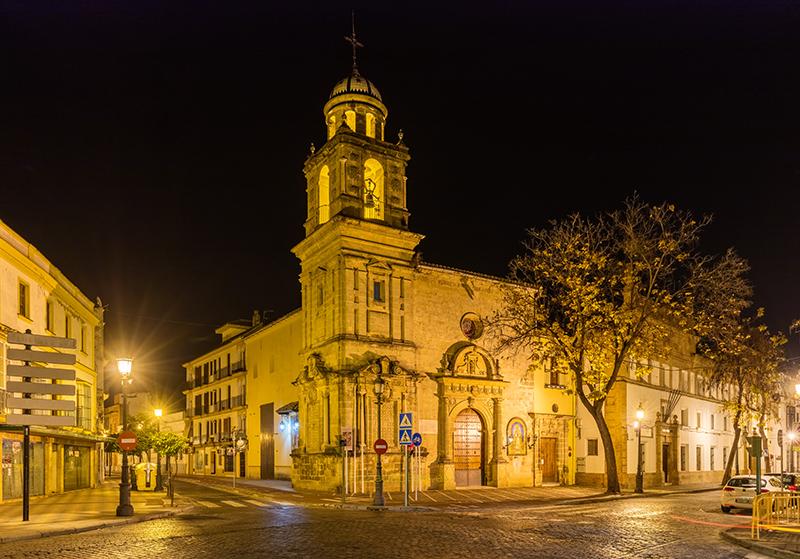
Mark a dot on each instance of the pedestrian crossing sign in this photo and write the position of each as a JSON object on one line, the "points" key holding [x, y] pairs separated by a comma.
{"points": [[405, 426]]}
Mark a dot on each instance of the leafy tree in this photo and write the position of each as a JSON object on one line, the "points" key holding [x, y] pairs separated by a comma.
{"points": [[594, 295], [170, 444]]}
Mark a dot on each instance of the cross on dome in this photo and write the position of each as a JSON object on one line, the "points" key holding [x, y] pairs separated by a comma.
{"points": [[354, 42]]}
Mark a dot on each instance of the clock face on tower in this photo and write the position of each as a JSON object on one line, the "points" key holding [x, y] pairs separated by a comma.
{"points": [[471, 326]]}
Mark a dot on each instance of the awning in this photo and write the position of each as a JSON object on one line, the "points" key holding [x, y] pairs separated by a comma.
{"points": [[289, 408]]}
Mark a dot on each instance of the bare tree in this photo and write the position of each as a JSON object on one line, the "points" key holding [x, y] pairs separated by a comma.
{"points": [[593, 295]]}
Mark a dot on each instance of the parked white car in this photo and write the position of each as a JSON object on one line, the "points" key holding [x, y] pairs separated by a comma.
{"points": [[738, 493]]}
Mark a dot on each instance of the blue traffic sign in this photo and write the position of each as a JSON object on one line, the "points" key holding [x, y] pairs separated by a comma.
{"points": [[416, 438], [405, 424]]}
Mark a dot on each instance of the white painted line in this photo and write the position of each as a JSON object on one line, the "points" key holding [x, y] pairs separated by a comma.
{"points": [[254, 502], [429, 497], [446, 495], [485, 495], [209, 504], [471, 498], [233, 503]]}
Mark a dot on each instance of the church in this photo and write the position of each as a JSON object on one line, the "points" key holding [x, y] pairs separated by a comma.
{"points": [[380, 333], [388, 347]]}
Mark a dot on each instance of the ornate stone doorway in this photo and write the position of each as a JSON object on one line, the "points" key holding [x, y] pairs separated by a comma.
{"points": [[468, 454]]}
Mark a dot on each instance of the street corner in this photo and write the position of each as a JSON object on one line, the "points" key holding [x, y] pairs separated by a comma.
{"points": [[764, 546]]}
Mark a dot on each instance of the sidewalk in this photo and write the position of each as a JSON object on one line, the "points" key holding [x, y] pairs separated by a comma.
{"points": [[783, 545], [282, 492], [79, 511]]}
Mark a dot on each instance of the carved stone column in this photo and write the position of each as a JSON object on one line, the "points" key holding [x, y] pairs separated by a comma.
{"points": [[443, 475], [499, 462]]}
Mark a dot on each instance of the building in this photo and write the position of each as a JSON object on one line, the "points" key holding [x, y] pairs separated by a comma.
{"points": [[36, 296], [374, 315], [381, 332]]}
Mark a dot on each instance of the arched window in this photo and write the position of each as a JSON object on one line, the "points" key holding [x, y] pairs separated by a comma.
{"points": [[370, 125], [373, 189], [324, 195], [350, 117]]}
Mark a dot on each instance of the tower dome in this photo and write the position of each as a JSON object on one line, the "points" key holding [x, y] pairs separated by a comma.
{"points": [[355, 83], [356, 103]]}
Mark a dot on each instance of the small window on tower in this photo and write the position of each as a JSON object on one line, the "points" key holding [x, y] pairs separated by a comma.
{"points": [[320, 295], [379, 291]]}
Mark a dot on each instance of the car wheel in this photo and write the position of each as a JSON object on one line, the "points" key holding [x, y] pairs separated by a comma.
{"points": [[725, 509]]}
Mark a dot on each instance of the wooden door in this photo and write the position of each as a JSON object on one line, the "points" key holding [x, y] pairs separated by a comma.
{"points": [[547, 455], [468, 448], [665, 461], [267, 441]]}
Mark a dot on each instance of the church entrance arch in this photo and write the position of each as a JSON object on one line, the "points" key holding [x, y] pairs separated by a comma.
{"points": [[468, 453]]}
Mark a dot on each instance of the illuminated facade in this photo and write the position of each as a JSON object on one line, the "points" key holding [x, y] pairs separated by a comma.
{"points": [[686, 434], [35, 295]]}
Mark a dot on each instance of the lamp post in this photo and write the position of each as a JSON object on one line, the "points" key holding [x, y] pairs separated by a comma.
{"points": [[639, 466], [125, 508], [378, 498], [158, 412]]}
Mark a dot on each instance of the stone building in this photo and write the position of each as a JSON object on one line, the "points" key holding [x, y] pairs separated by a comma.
{"points": [[36, 296], [373, 313]]}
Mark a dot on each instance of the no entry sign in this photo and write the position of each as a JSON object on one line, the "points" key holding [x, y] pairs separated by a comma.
{"points": [[127, 440], [380, 446]]}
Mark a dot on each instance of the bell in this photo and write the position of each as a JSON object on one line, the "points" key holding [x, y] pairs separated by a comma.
{"points": [[369, 200]]}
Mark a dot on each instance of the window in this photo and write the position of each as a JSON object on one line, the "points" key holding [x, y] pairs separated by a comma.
{"points": [[373, 189], [67, 326], [24, 299], [83, 338], [591, 447], [711, 458], [320, 296], [370, 125], [699, 420], [725, 423], [699, 457], [48, 316], [685, 418], [712, 424], [324, 195], [83, 406], [684, 457], [379, 291], [790, 417]]}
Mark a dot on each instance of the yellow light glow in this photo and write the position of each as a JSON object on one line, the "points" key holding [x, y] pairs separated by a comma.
{"points": [[797, 389], [124, 365], [640, 413], [158, 412], [792, 435], [635, 424]]}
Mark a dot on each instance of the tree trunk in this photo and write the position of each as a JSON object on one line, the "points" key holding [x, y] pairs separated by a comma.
{"points": [[737, 431], [612, 478]]}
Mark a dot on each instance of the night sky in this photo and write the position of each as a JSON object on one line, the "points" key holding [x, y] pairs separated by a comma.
{"points": [[153, 151]]}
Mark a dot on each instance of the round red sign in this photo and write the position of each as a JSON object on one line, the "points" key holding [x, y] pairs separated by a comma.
{"points": [[127, 440], [380, 446]]}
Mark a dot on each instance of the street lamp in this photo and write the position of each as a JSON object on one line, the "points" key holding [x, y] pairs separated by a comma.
{"points": [[158, 412], [378, 498], [639, 459], [125, 508]]}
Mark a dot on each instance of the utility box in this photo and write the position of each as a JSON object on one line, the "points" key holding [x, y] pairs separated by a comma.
{"points": [[146, 476]]}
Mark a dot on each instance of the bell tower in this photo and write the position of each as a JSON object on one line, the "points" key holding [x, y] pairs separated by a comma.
{"points": [[357, 257]]}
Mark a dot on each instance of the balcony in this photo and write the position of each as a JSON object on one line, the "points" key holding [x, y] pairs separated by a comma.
{"points": [[222, 405], [220, 374]]}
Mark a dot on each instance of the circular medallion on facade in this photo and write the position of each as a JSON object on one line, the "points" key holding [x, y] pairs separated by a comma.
{"points": [[471, 326], [555, 408]]}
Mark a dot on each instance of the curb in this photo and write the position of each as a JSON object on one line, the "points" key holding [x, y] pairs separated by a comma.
{"points": [[758, 547], [90, 527]]}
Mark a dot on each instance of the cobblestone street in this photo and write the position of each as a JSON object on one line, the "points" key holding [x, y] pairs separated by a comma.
{"points": [[228, 525]]}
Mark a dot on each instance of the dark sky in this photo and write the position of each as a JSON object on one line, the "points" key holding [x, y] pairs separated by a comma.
{"points": [[154, 151]]}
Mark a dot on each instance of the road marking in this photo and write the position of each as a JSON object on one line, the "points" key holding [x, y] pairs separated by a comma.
{"points": [[209, 504], [429, 497], [446, 495], [470, 497], [254, 502], [233, 503], [485, 496]]}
